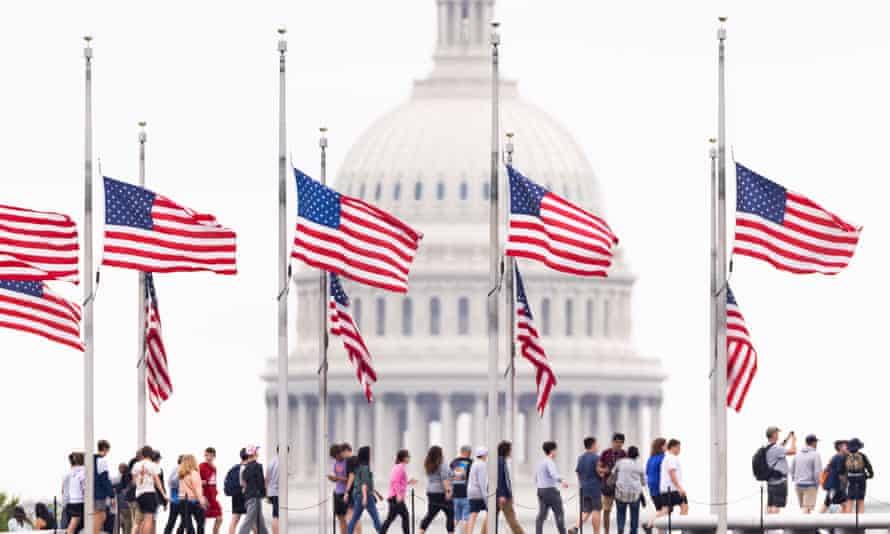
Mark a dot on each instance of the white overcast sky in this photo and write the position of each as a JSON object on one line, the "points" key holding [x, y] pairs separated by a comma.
{"points": [[634, 81]]}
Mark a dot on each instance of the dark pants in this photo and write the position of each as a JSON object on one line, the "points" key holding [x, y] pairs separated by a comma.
{"points": [[437, 503], [396, 509], [548, 499], [192, 511], [177, 510], [634, 515]]}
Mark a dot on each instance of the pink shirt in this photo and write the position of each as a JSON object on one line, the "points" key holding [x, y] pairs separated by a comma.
{"points": [[398, 482]]}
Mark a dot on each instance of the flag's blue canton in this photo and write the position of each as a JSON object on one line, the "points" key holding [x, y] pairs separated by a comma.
{"points": [[759, 196], [337, 290], [150, 289], [730, 298], [33, 288], [520, 294], [316, 202], [128, 205], [525, 195]]}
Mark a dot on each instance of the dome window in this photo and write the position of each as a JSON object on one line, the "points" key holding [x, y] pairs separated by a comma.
{"points": [[381, 316], [397, 191], [418, 190], [486, 191], [545, 317], [606, 318], [407, 317], [463, 190], [440, 190], [435, 316], [570, 318], [463, 316], [378, 190], [361, 192], [589, 319]]}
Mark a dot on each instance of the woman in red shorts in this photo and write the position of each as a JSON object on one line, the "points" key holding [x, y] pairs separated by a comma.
{"points": [[208, 480]]}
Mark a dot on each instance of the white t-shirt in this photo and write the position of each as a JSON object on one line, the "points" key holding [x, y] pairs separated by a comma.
{"points": [[101, 465], [76, 481], [670, 462], [143, 474]]}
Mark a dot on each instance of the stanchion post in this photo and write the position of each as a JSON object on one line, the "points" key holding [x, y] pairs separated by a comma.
{"points": [[670, 509], [413, 521], [580, 513], [56, 515], [761, 510]]}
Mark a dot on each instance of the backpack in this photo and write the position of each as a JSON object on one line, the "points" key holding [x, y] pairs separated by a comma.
{"points": [[232, 484], [855, 463], [761, 468], [823, 477]]}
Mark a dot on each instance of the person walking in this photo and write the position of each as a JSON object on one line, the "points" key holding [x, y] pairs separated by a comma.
{"points": [[398, 489], [438, 490], [477, 489], [338, 477], [364, 496], [835, 489], [272, 488], [177, 507], [671, 488], [65, 481], [149, 489], [608, 459], [192, 501], [805, 473], [858, 469], [351, 467], [125, 523], [630, 483], [548, 481], [102, 488], [254, 486], [777, 460], [505, 487], [232, 488], [460, 472], [75, 483], [590, 484], [207, 469]]}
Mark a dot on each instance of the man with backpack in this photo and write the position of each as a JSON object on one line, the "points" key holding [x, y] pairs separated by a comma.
{"points": [[232, 489], [253, 483], [771, 466], [608, 459]]}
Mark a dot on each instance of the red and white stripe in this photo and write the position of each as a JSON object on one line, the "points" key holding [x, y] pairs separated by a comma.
{"points": [[344, 327], [810, 240], [37, 245], [49, 316], [181, 240], [157, 374], [565, 238], [370, 246], [530, 347], [741, 358]]}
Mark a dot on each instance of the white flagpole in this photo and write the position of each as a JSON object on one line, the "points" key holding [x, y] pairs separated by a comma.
{"points": [[494, 280], [510, 322], [89, 499], [323, 366], [141, 402], [718, 295], [283, 281]]}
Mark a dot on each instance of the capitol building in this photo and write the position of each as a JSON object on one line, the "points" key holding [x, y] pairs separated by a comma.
{"points": [[428, 162]]}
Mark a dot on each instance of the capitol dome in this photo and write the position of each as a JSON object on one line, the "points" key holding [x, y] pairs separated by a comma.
{"points": [[428, 162]]}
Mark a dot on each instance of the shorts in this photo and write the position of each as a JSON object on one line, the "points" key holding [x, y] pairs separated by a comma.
{"points": [[856, 488], [239, 507], [590, 503], [340, 506], [101, 505], [461, 509], [777, 495], [672, 499], [148, 503], [74, 509], [477, 505], [274, 501], [213, 509], [807, 496], [835, 496], [659, 500], [608, 501]]}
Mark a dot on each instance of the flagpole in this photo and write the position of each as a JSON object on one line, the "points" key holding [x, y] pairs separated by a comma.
{"points": [[495, 264], [510, 311], [718, 295], [89, 500], [283, 281], [323, 365], [141, 401]]}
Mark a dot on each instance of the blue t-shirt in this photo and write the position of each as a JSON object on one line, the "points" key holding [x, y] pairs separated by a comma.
{"points": [[587, 475], [653, 473]]}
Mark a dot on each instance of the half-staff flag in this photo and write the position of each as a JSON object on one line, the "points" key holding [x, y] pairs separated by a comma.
{"points": [[157, 374], [787, 230], [352, 238], [547, 228], [30, 306], [740, 355], [37, 245], [343, 326], [149, 232], [530, 345]]}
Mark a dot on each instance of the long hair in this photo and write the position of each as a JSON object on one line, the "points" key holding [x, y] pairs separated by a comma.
{"points": [[657, 446], [433, 459], [187, 465], [364, 455]]}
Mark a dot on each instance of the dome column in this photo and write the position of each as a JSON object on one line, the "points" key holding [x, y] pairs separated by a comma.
{"points": [[479, 419], [603, 425], [446, 419], [655, 417]]}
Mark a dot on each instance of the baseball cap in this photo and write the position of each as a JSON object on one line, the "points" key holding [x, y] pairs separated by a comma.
{"points": [[481, 451], [811, 438], [772, 430]]}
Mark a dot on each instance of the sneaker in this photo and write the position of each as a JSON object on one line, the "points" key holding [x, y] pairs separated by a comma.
{"points": [[573, 530]]}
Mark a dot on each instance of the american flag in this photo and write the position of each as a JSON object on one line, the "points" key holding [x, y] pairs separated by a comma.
{"points": [[37, 245], [352, 238], [30, 306], [547, 228], [530, 345], [151, 233], [157, 374], [788, 230], [343, 326], [740, 355]]}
